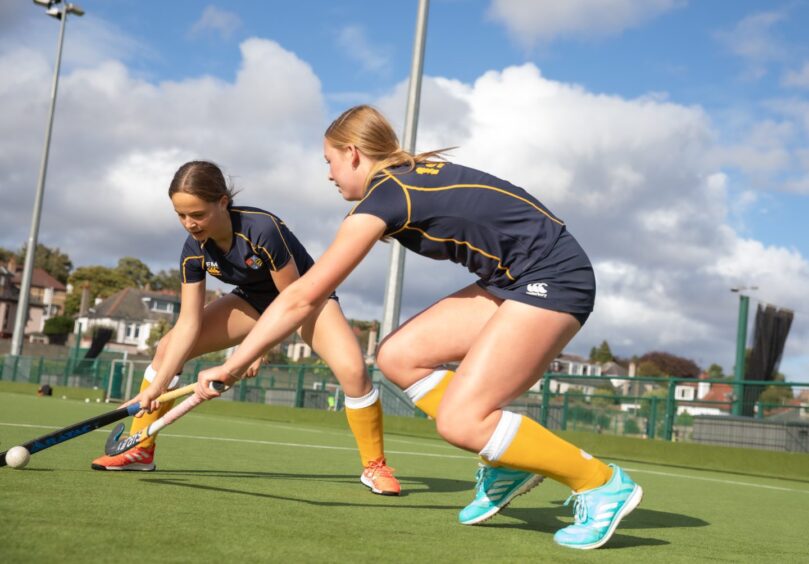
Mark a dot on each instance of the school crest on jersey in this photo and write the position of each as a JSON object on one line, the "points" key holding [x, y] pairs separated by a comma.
{"points": [[254, 262], [213, 268]]}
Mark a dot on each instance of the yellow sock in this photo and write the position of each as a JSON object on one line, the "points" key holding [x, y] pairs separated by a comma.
{"points": [[366, 424], [140, 423], [535, 449], [429, 402]]}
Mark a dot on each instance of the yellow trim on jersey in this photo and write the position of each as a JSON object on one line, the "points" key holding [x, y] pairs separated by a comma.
{"points": [[201, 259], [281, 233], [253, 247], [485, 187], [405, 188], [368, 193], [472, 247]]}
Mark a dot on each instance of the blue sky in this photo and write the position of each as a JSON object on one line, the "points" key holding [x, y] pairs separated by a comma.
{"points": [[670, 134]]}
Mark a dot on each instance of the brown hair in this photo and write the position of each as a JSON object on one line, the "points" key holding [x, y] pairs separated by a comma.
{"points": [[202, 179], [368, 130]]}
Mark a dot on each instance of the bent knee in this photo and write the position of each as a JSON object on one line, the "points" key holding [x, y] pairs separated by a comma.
{"points": [[393, 362], [457, 428]]}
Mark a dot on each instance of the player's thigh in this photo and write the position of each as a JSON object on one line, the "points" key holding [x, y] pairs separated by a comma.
{"points": [[444, 332], [225, 322], [331, 337], [508, 356]]}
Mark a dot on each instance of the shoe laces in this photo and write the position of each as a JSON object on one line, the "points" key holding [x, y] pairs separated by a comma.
{"points": [[579, 507], [379, 467], [480, 477]]}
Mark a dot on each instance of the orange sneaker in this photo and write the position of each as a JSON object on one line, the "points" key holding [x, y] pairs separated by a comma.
{"points": [[138, 459], [379, 477]]}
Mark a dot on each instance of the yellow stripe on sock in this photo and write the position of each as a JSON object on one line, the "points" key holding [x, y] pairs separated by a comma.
{"points": [[366, 424], [429, 402], [535, 449]]}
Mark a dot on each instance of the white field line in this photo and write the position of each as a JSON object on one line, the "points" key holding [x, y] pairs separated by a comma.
{"points": [[430, 455]]}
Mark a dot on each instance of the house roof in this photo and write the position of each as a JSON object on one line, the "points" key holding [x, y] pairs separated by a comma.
{"points": [[719, 392], [572, 358], [40, 279], [613, 369], [132, 304]]}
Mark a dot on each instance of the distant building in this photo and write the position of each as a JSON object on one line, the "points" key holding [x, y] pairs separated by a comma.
{"points": [[703, 398], [46, 299], [131, 313]]}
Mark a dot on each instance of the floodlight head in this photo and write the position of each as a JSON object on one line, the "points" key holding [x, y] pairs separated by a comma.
{"points": [[54, 13], [75, 10], [46, 3]]}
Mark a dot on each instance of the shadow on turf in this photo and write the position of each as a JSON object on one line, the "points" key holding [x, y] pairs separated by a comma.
{"points": [[431, 485], [551, 519]]}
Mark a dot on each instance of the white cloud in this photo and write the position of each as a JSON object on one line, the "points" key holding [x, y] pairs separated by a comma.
{"points": [[532, 21], [214, 19], [753, 40], [638, 185], [354, 44], [633, 179], [799, 78]]}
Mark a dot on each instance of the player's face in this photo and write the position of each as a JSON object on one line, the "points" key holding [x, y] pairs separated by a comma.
{"points": [[202, 220], [343, 171]]}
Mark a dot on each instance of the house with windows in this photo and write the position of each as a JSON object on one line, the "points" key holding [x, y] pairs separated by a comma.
{"points": [[46, 298], [131, 314]]}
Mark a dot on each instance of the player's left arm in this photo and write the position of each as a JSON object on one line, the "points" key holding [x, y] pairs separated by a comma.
{"points": [[354, 240]]}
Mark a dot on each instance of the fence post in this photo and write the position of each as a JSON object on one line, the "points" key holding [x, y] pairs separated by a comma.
{"points": [[652, 422], [68, 370], [40, 368], [242, 390], [546, 399], [671, 410], [299, 387], [565, 405]]}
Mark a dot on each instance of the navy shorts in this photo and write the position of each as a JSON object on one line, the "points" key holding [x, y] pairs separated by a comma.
{"points": [[262, 300], [562, 281]]}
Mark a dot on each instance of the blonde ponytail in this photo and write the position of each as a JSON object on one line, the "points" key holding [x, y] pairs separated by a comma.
{"points": [[368, 130]]}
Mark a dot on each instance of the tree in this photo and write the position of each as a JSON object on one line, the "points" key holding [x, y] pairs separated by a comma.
{"points": [[135, 271], [102, 283], [715, 371], [602, 353], [672, 365], [53, 261], [166, 280], [647, 368], [58, 325], [605, 396], [6, 254]]}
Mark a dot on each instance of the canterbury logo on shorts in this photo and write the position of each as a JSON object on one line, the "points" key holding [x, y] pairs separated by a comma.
{"points": [[538, 289]]}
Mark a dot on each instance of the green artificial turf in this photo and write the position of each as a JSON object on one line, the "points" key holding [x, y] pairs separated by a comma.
{"points": [[252, 483]]}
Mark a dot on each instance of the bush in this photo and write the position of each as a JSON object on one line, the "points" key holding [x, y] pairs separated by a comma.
{"points": [[59, 325]]}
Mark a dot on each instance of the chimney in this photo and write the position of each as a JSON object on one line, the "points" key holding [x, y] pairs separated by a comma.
{"points": [[373, 334], [85, 299]]}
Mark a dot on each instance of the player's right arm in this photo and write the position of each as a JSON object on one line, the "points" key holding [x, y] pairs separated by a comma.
{"points": [[296, 302], [182, 338]]}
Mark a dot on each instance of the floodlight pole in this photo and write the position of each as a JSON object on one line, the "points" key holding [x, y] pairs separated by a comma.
{"points": [[741, 348], [30, 252], [393, 289]]}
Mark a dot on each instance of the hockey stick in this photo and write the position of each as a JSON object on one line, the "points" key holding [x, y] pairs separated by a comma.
{"points": [[73, 431], [116, 445]]}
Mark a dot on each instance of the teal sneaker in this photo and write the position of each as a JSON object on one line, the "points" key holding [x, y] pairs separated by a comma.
{"points": [[598, 511], [495, 489]]}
